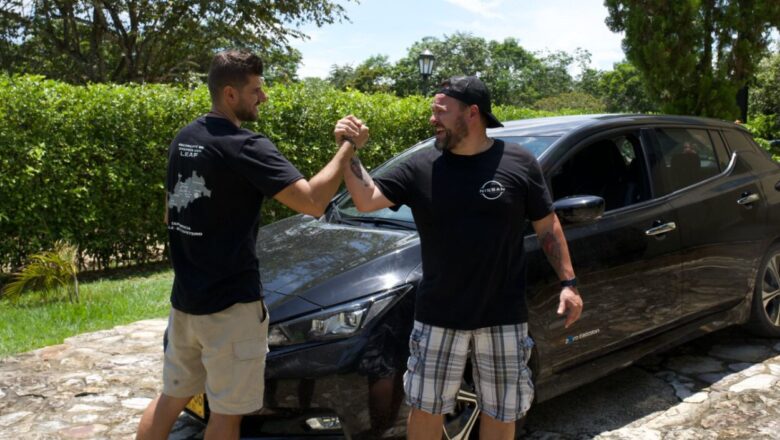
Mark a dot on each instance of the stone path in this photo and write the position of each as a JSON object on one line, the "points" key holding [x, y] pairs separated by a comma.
{"points": [[93, 386], [723, 386]]}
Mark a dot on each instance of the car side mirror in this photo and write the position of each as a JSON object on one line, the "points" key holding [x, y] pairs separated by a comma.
{"points": [[579, 209]]}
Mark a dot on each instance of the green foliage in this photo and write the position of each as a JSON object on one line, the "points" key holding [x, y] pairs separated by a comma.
{"points": [[764, 126], [695, 54], [581, 101], [87, 163], [50, 272], [765, 93], [514, 75], [623, 90], [371, 76], [35, 322], [151, 41]]}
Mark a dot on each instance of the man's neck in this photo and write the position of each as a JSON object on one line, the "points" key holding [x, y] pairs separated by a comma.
{"points": [[473, 145], [224, 114]]}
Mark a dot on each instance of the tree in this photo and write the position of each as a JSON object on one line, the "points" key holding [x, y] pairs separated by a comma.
{"points": [[695, 54], [514, 75], [765, 98], [623, 90], [371, 76], [580, 101], [765, 95], [458, 54], [147, 40]]}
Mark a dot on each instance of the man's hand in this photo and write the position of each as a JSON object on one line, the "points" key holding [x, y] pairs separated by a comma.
{"points": [[570, 305], [351, 129]]}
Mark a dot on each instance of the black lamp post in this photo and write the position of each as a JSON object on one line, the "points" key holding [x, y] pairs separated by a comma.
{"points": [[425, 62]]}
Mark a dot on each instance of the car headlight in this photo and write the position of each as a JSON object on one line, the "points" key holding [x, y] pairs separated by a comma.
{"points": [[336, 322]]}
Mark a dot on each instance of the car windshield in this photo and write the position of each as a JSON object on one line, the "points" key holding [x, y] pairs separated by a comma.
{"points": [[402, 218]]}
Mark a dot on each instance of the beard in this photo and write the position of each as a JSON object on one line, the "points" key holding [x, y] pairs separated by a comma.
{"points": [[246, 112], [452, 137]]}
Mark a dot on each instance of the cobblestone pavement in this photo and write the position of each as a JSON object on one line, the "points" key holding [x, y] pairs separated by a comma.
{"points": [[723, 386]]}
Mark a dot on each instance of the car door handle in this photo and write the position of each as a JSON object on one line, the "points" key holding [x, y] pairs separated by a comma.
{"points": [[661, 229], [747, 199]]}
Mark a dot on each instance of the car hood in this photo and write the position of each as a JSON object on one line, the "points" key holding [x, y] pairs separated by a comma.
{"points": [[329, 263]]}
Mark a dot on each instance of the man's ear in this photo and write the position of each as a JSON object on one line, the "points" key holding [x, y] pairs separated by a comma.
{"points": [[474, 111], [229, 95]]}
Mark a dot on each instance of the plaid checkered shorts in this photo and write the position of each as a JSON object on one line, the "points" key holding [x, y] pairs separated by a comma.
{"points": [[499, 357]]}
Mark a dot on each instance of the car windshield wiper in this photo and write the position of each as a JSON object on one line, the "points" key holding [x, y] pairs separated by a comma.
{"points": [[333, 213], [378, 221]]}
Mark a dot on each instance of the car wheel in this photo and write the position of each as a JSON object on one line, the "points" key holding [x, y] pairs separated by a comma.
{"points": [[765, 311]]}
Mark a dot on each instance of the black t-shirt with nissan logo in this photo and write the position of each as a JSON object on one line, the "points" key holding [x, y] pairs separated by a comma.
{"points": [[218, 175], [470, 212]]}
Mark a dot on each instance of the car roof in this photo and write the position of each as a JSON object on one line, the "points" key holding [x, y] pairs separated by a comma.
{"points": [[560, 125]]}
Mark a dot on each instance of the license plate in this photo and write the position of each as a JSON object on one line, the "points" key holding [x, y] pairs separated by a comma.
{"points": [[198, 406]]}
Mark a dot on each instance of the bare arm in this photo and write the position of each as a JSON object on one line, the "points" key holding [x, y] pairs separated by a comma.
{"points": [[550, 235], [366, 195], [312, 196]]}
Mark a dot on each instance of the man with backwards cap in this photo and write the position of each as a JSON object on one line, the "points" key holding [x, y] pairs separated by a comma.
{"points": [[469, 196]]}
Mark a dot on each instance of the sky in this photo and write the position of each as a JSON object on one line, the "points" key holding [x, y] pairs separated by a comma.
{"points": [[390, 27]]}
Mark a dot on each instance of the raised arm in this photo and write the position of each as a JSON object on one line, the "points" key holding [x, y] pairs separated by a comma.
{"points": [[312, 196], [366, 196], [550, 235]]}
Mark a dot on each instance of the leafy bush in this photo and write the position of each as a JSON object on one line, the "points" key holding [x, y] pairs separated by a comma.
{"points": [[583, 102], [87, 163], [764, 126], [50, 272]]}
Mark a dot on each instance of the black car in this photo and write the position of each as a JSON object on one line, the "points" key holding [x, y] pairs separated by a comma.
{"points": [[673, 224]]}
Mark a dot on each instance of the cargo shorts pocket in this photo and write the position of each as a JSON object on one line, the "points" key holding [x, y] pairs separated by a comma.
{"points": [[248, 349], [525, 386], [415, 352], [249, 371]]}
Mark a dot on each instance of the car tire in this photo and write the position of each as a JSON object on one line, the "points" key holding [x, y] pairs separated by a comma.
{"points": [[765, 310]]}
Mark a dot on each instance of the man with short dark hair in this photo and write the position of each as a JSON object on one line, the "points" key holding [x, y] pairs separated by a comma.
{"points": [[218, 176], [470, 196]]}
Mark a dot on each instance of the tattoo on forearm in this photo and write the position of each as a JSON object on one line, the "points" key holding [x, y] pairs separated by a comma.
{"points": [[357, 169], [552, 248]]}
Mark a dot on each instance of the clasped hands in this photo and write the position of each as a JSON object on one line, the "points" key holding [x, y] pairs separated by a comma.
{"points": [[353, 130]]}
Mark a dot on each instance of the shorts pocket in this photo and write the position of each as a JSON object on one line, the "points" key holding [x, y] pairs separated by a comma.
{"points": [[263, 312], [414, 348], [249, 349], [525, 385], [527, 347]]}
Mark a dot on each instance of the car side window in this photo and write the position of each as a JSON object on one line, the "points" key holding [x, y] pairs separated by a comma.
{"points": [[686, 156], [612, 168], [741, 141], [724, 157]]}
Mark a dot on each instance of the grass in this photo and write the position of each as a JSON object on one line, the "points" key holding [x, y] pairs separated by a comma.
{"points": [[107, 299]]}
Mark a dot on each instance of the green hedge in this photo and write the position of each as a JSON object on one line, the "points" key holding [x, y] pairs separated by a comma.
{"points": [[87, 163]]}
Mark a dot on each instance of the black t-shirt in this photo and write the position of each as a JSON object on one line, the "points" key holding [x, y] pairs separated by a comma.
{"points": [[218, 175], [470, 212]]}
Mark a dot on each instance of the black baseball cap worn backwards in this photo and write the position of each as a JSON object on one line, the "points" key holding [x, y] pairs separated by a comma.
{"points": [[471, 91]]}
